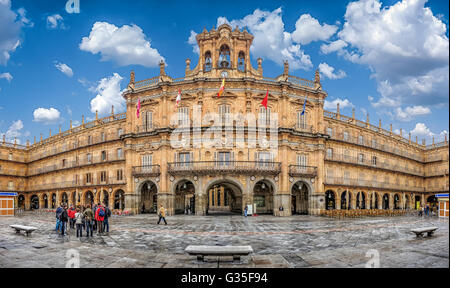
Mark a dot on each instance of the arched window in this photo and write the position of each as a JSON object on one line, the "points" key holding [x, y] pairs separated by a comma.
{"points": [[224, 57], [208, 62], [241, 61]]}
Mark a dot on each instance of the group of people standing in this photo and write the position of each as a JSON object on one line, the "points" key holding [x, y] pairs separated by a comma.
{"points": [[83, 217], [426, 210]]}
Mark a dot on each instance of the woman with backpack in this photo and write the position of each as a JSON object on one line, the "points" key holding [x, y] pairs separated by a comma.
{"points": [[100, 217]]}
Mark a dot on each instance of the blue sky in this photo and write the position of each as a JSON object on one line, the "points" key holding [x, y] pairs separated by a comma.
{"points": [[386, 58]]}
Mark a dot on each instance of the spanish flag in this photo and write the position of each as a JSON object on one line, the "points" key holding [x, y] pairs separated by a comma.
{"points": [[222, 88], [266, 99]]}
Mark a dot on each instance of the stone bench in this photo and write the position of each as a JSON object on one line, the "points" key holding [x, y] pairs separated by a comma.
{"points": [[235, 251], [419, 231], [27, 229]]}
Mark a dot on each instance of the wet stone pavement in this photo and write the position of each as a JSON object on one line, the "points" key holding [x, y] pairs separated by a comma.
{"points": [[297, 241]]}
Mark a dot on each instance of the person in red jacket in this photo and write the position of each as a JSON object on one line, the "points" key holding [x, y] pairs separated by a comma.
{"points": [[100, 217], [71, 212]]}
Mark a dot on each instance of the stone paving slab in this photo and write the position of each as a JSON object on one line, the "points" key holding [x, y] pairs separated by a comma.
{"points": [[290, 242]]}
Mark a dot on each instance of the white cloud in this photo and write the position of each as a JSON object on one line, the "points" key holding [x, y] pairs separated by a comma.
{"points": [[64, 69], [193, 41], [270, 40], [109, 94], [126, 45], [410, 112], [404, 45], [308, 29], [6, 76], [10, 29], [47, 116], [14, 131], [334, 46], [332, 105], [423, 132], [55, 21], [328, 71]]}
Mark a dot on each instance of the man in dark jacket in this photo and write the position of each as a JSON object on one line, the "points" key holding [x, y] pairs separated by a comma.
{"points": [[89, 217], [64, 218], [58, 221], [106, 221]]}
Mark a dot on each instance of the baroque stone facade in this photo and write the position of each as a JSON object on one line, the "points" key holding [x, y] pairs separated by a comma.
{"points": [[320, 160]]}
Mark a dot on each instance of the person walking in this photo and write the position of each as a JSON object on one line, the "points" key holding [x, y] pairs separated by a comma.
{"points": [[106, 221], [427, 210], [162, 214], [58, 216], [100, 217], [64, 218], [246, 210], [88, 216], [79, 222]]}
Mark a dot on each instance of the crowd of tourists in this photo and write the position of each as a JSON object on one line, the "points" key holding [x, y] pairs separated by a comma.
{"points": [[427, 210], [83, 218]]}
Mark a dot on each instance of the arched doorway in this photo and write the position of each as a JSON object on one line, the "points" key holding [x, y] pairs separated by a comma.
{"points": [[89, 198], [360, 200], [53, 201], [407, 202], [263, 197], [224, 198], [396, 202], [300, 199], [119, 200], [74, 198], [45, 198], [65, 199], [184, 200], [374, 199], [386, 201], [148, 198], [417, 202], [34, 202], [21, 202], [330, 200], [104, 197], [432, 201], [346, 200]]}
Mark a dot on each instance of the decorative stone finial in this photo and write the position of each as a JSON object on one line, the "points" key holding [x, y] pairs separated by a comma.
{"points": [[286, 68], [59, 128], [417, 140], [15, 140], [70, 124], [367, 118], [82, 120], [260, 69], [390, 128], [188, 66], [401, 132], [4, 138], [132, 79], [112, 110], [353, 113], [162, 65], [34, 142], [379, 123], [409, 137], [338, 111], [41, 137], [317, 77], [424, 142], [433, 140], [28, 143], [96, 115], [50, 132]]}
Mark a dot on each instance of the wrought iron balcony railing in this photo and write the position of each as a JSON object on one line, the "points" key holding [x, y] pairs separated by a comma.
{"points": [[224, 167], [302, 171], [146, 171], [351, 182]]}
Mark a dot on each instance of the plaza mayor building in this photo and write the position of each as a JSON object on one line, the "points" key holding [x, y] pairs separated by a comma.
{"points": [[310, 161]]}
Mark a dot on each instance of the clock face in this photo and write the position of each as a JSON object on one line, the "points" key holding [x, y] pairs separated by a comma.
{"points": [[224, 74]]}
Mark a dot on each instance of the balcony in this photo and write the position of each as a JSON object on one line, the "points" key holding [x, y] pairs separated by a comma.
{"points": [[146, 171], [75, 184], [302, 171], [376, 185], [369, 164], [11, 172], [225, 167]]}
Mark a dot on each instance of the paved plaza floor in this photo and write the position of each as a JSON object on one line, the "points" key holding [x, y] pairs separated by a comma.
{"points": [[297, 241]]}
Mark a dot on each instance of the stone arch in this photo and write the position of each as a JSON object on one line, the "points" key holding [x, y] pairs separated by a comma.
{"points": [[21, 201], [184, 196], [34, 202], [300, 198], [224, 195], [44, 201], [397, 201], [64, 198], [385, 201], [53, 200], [118, 199], [361, 200], [88, 198], [263, 194], [147, 196], [330, 199]]}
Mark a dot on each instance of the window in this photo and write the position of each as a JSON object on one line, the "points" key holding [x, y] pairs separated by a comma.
{"points": [[241, 61], [374, 142], [360, 158], [10, 156], [75, 144], [148, 121], [224, 56], [119, 153], [89, 158], [346, 177], [330, 153], [301, 120], [224, 158], [346, 154], [103, 137], [208, 62], [103, 155], [89, 140], [64, 163], [147, 160], [10, 185], [360, 140], [264, 117], [330, 131], [345, 136], [119, 175], [183, 116], [374, 160], [330, 173], [119, 132], [103, 176], [302, 160], [264, 158], [88, 177], [224, 113], [184, 158]]}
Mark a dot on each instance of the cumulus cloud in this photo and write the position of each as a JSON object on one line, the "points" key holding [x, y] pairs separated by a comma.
{"points": [[308, 29], [423, 132], [14, 131], [328, 71], [332, 105], [409, 113], [404, 45], [126, 45], [55, 21], [193, 41], [108, 94], [271, 40], [46, 116], [64, 69], [10, 28], [6, 76]]}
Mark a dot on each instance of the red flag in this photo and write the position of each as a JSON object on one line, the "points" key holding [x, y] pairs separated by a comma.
{"points": [[266, 99], [138, 108]]}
